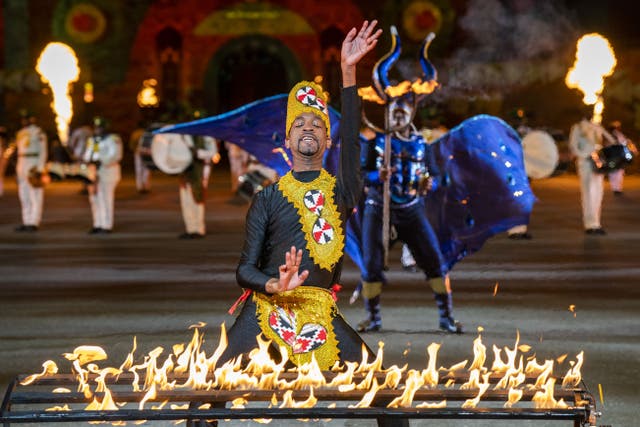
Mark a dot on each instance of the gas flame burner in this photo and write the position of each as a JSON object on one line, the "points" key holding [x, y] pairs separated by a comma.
{"points": [[32, 403]]}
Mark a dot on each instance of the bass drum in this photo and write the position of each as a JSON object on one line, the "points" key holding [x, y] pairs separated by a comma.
{"points": [[250, 183], [167, 152], [144, 149], [611, 158], [540, 154]]}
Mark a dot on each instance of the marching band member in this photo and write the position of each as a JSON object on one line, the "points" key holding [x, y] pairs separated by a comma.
{"points": [[142, 172], [104, 152], [412, 174], [586, 138], [31, 143], [193, 185]]}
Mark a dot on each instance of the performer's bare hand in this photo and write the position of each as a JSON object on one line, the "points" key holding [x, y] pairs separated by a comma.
{"points": [[289, 277], [357, 43], [384, 173], [426, 184]]}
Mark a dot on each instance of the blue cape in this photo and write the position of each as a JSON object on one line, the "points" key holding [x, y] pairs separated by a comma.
{"points": [[258, 128]]}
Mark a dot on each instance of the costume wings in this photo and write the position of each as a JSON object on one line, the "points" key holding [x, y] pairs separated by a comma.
{"points": [[258, 128], [483, 188]]}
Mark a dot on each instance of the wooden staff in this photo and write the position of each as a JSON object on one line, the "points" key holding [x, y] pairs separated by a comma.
{"points": [[386, 160]]}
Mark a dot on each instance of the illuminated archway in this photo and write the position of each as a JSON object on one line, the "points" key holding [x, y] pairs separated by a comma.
{"points": [[247, 69]]}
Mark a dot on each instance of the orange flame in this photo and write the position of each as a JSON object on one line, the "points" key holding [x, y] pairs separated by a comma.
{"points": [[573, 377], [545, 399], [514, 396], [259, 371], [49, 368], [369, 94], [430, 375], [147, 96], [479, 353], [86, 353], [58, 66], [595, 60]]}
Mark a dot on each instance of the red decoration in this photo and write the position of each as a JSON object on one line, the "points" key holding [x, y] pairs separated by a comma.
{"points": [[83, 22]]}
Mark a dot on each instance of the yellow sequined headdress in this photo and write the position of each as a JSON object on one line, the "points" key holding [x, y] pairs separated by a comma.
{"points": [[307, 97]]}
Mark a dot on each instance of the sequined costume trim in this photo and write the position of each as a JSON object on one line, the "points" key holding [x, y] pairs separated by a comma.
{"points": [[301, 321], [319, 216]]}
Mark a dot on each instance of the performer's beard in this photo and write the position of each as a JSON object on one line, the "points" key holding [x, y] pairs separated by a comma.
{"points": [[308, 145]]}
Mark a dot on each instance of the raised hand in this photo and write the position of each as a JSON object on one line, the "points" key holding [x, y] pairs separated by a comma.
{"points": [[357, 43], [289, 276]]}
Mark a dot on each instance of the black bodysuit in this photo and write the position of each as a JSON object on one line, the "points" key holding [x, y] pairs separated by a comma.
{"points": [[273, 226]]}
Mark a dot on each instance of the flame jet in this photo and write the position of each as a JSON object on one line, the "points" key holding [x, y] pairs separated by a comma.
{"points": [[58, 67]]}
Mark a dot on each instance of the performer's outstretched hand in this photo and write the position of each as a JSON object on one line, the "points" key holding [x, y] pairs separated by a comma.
{"points": [[357, 43], [289, 277]]}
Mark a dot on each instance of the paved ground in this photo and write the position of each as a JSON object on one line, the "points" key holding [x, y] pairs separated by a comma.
{"points": [[62, 288]]}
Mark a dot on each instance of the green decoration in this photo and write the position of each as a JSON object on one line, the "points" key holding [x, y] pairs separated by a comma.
{"points": [[106, 57], [16, 26]]}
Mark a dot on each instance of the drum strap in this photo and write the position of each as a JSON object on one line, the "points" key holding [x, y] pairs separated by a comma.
{"points": [[194, 174]]}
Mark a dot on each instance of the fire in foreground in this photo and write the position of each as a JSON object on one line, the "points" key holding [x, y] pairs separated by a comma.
{"points": [[187, 374]]}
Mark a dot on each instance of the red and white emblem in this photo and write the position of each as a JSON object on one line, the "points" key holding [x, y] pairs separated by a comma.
{"points": [[322, 231], [283, 323], [308, 96], [314, 201]]}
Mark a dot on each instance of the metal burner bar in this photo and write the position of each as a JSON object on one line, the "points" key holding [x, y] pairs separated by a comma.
{"points": [[34, 398], [576, 415], [25, 398]]}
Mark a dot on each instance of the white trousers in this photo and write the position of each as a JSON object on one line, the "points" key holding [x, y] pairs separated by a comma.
{"points": [[101, 199], [31, 200], [192, 211], [143, 174], [616, 179], [591, 189]]}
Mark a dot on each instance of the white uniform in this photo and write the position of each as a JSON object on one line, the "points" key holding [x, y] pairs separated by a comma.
{"points": [[78, 140], [192, 209], [107, 150], [31, 143], [584, 139], [3, 165], [142, 172]]}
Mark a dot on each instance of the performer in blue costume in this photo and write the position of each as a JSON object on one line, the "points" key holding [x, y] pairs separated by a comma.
{"points": [[440, 204], [412, 174]]}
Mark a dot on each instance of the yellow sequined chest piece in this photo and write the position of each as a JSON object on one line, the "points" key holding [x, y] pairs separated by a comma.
{"points": [[319, 216]]}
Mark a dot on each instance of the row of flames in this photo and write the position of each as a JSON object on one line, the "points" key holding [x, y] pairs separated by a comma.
{"points": [[198, 371]]}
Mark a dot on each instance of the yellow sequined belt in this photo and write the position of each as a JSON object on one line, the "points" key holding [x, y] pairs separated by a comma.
{"points": [[300, 320]]}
